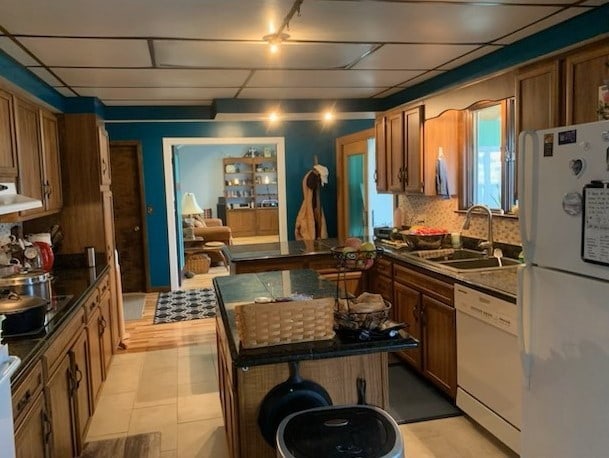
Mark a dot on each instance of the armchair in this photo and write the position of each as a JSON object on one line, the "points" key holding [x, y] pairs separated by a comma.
{"points": [[212, 230]]}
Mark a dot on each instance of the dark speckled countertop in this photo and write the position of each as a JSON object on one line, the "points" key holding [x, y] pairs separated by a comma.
{"points": [[76, 282], [237, 253], [238, 289]]}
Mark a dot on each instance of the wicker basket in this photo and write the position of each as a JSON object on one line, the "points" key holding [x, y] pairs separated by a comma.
{"points": [[277, 323], [346, 319], [198, 263]]}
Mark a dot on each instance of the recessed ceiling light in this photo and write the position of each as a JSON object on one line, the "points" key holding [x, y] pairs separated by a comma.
{"points": [[273, 116], [328, 116], [274, 40]]}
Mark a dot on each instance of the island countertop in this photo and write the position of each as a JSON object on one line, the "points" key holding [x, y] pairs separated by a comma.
{"points": [[255, 252], [238, 289]]}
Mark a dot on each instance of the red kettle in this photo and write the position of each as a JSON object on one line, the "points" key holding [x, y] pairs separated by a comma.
{"points": [[46, 255]]}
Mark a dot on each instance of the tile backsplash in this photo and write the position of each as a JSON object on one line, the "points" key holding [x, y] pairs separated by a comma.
{"points": [[439, 212]]}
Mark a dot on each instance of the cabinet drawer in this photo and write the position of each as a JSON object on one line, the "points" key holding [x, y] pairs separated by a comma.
{"points": [[104, 285], [91, 303], [431, 286], [384, 266], [59, 346], [25, 393]]}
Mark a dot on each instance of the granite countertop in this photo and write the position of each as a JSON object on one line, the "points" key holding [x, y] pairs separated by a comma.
{"points": [[243, 288], [236, 253], [70, 283]]}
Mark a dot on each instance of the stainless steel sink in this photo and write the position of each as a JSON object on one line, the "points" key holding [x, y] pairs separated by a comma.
{"points": [[479, 264], [449, 254]]}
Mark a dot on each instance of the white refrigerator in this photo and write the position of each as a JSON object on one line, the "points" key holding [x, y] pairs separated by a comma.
{"points": [[563, 294]]}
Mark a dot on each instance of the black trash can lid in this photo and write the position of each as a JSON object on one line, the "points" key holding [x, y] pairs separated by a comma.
{"points": [[350, 431]]}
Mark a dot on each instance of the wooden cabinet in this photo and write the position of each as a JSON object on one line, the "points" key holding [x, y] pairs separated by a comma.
{"points": [[80, 367], [60, 390], [8, 150], [538, 96], [585, 70], [95, 354], [267, 221], [242, 222], [51, 169], [425, 304], [33, 434], [105, 334], [105, 173], [400, 137]]}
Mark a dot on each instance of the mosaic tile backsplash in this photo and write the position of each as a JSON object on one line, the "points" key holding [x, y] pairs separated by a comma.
{"points": [[439, 212]]}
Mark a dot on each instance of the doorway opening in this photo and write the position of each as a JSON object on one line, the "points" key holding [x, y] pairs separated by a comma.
{"points": [[173, 191]]}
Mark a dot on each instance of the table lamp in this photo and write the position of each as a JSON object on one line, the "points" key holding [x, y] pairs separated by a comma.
{"points": [[190, 207]]}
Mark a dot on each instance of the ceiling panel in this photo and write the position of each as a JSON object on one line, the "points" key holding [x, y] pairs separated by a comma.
{"points": [[46, 76], [153, 102], [256, 55], [308, 93], [16, 52], [423, 77], [415, 57], [65, 91], [175, 93], [329, 78], [125, 77], [89, 52], [475, 54]]}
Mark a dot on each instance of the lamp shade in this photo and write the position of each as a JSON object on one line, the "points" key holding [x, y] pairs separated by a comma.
{"points": [[190, 205]]}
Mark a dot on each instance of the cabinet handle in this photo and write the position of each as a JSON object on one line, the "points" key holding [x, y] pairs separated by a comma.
{"points": [[24, 401], [401, 174], [102, 325], [376, 176], [47, 427], [78, 377], [405, 175], [415, 313]]}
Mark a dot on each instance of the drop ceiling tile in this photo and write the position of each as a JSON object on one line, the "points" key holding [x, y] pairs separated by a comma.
{"points": [[65, 91], [308, 93], [329, 78], [388, 92], [9, 47], [414, 57], [256, 55], [137, 102], [395, 21], [125, 77], [543, 24], [45, 76], [476, 54], [77, 52], [419, 79], [157, 93]]}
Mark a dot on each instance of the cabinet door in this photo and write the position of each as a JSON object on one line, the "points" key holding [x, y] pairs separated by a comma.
{"points": [[34, 433], [108, 221], [380, 175], [105, 333], [95, 355], [537, 97], [8, 151], [79, 363], [50, 162], [104, 157], [242, 222], [60, 390], [267, 221], [412, 174], [395, 152], [440, 343], [28, 149], [408, 310]]}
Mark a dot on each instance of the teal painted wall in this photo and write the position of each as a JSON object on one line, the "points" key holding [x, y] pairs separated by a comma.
{"points": [[303, 140]]}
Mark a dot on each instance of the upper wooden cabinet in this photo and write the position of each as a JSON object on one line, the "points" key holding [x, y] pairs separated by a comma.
{"points": [[8, 150], [51, 166], [586, 71], [399, 134], [538, 96], [104, 157]]}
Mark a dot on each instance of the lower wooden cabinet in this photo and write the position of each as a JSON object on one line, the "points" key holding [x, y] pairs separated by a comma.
{"points": [[79, 362], [407, 303], [33, 434], [95, 355], [60, 390], [242, 222], [105, 334], [267, 221], [440, 344]]}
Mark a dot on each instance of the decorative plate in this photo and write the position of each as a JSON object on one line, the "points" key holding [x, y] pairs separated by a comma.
{"points": [[230, 168]]}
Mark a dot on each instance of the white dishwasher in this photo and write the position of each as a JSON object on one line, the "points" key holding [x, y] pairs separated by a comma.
{"points": [[488, 363]]}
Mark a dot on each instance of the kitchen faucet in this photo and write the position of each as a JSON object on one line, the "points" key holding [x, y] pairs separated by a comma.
{"points": [[488, 244]]}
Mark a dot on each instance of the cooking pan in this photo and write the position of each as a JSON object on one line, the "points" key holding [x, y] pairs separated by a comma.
{"points": [[293, 395]]}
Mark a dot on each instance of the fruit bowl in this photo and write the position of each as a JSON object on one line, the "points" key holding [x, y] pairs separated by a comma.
{"points": [[354, 259], [424, 238]]}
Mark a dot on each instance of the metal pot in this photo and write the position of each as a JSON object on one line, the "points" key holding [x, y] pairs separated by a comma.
{"points": [[32, 283], [24, 315]]}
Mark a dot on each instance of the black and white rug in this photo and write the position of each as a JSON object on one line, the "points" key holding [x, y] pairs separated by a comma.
{"points": [[191, 304]]}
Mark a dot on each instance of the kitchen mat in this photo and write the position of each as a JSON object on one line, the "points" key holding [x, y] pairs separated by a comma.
{"points": [[146, 445], [133, 305], [412, 399], [184, 305]]}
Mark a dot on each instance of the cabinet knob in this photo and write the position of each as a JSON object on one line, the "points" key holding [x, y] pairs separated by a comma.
{"points": [[136, 229]]}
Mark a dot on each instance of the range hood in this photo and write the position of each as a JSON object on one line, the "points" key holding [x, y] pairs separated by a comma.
{"points": [[11, 202]]}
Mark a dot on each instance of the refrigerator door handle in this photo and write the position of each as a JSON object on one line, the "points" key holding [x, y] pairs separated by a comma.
{"points": [[524, 323], [527, 199]]}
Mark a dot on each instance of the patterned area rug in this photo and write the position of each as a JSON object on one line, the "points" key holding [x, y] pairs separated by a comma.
{"points": [[191, 304]]}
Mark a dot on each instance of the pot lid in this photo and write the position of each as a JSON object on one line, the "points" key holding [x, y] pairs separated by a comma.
{"points": [[15, 303], [32, 277]]}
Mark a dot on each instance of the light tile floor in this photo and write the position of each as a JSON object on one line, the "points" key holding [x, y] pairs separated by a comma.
{"points": [[175, 392]]}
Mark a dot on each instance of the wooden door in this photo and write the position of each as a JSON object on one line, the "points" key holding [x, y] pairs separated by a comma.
{"points": [[79, 362], [28, 148], [395, 152], [380, 175], [33, 435], [440, 343], [413, 150], [59, 390], [129, 218], [407, 302], [51, 163], [8, 150]]}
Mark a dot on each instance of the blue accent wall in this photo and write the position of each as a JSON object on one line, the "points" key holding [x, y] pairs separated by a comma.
{"points": [[303, 140]]}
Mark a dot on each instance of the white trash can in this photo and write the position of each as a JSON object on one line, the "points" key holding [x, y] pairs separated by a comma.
{"points": [[361, 431]]}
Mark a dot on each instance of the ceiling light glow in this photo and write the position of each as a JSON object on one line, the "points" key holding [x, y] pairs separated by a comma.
{"points": [[273, 116], [328, 116]]}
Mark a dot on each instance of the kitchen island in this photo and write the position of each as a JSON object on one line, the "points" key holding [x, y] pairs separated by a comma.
{"points": [[246, 375]]}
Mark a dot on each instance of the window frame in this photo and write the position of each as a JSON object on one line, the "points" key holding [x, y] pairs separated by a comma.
{"points": [[508, 156]]}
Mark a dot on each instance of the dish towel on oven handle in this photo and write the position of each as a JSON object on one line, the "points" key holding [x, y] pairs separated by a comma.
{"points": [[442, 178]]}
